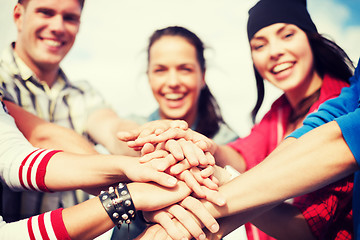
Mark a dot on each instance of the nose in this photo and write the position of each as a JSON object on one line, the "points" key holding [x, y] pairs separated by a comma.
{"points": [[56, 25], [173, 79], [276, 49]]}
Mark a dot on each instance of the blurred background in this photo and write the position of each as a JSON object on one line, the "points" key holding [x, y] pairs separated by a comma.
{"points": [[110, 50]]}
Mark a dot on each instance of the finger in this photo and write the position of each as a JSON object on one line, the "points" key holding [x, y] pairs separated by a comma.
{"points": [[179, 124], [191, 182], [215, 180], [179, 167], [132, 144], [175, 149], [203, 181], [147, 148], [207, 172], [147, 132], [187, 220], [206, 144], [128, 135], [170, 227], [151, 156], [193, 154], [214, 196], [200, 211], [172, 133], [161, 164], [196, 173], [210, 158], [207, 182], [161, 178], [149, 138]]}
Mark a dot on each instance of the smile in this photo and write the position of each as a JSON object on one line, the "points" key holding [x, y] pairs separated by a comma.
{"points": [[174, 96], [282, 67], [52, 43]]}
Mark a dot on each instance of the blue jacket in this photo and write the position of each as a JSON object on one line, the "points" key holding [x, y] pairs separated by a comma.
{"points": [[345, 110]]}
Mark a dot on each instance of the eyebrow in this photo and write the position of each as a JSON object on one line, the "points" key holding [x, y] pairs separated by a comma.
{"points": [[281, 29]]}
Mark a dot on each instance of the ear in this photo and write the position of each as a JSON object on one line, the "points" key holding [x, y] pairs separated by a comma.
{"points": [[18, 16]]}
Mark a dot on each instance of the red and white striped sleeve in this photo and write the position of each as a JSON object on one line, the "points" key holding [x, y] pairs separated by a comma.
{"points": [[22, 166], [33, 168], [49, 225]]}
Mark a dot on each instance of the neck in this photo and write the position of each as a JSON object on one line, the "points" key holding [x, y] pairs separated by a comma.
{"points": [[47, 76], [296, 95], [44, 72], [189, 119]]}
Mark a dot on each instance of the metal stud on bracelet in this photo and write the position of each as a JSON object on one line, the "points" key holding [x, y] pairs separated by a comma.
{"points": [[120, 206], [106, 201], [127, 203]]}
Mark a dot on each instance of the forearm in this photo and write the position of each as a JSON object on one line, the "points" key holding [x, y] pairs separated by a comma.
{"points": [[43, 134], [103, 126], [313, 161], [225, 155], [284, 222], [87, 220], [94, 219], [84, 171]]}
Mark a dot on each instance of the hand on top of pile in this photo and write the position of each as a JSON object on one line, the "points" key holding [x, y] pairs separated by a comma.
{"points": [[162, 130], [171, 147]]}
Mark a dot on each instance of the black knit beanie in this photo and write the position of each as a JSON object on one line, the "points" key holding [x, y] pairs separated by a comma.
{"points": [[267, 12]]}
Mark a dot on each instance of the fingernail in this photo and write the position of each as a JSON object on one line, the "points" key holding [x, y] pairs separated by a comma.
{"points": [[202, 236], [214, 228], [172, 180], [221, 201]]}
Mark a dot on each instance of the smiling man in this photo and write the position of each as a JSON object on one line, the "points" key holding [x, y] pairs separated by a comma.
{"points": [[30, 73]]}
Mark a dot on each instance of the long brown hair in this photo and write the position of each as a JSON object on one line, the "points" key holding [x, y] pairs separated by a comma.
{"points": [[209, 114]]}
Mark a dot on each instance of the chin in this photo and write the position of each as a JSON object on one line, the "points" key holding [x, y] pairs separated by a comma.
{"points": [[174, 116]]}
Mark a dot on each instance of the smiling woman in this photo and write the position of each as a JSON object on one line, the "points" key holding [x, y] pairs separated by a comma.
{"points": [[176, 73], [288, 52]]}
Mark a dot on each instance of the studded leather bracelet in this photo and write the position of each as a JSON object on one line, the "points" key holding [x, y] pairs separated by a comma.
{"points": [[120, 206], [126, 203]]}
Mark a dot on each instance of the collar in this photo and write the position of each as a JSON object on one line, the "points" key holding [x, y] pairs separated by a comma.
{"points": [[22, 72]]}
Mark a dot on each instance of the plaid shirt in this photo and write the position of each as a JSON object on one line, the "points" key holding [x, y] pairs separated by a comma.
{"points": [[67, 104]]}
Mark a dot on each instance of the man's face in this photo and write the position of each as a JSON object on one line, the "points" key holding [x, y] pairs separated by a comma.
{"points": [[46, 31]]}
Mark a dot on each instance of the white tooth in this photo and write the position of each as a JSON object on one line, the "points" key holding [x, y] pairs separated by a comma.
{"points": [[173, 96], [281, 67], [52, 43]]}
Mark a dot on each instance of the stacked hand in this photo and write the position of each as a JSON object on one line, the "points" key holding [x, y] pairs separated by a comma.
{"points": [[186, 155]]}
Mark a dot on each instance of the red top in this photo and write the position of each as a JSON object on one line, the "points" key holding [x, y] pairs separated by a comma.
{"points": [[320, 208]]}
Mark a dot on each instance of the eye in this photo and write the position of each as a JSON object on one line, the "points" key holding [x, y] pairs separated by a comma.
{"points": [[258, 45], [288, 34], [72, 18], [46, 12], [158, 69], [186, 69]]}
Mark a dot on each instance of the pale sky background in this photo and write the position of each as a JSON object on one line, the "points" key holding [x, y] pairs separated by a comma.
{"points": [[110, 50]]}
